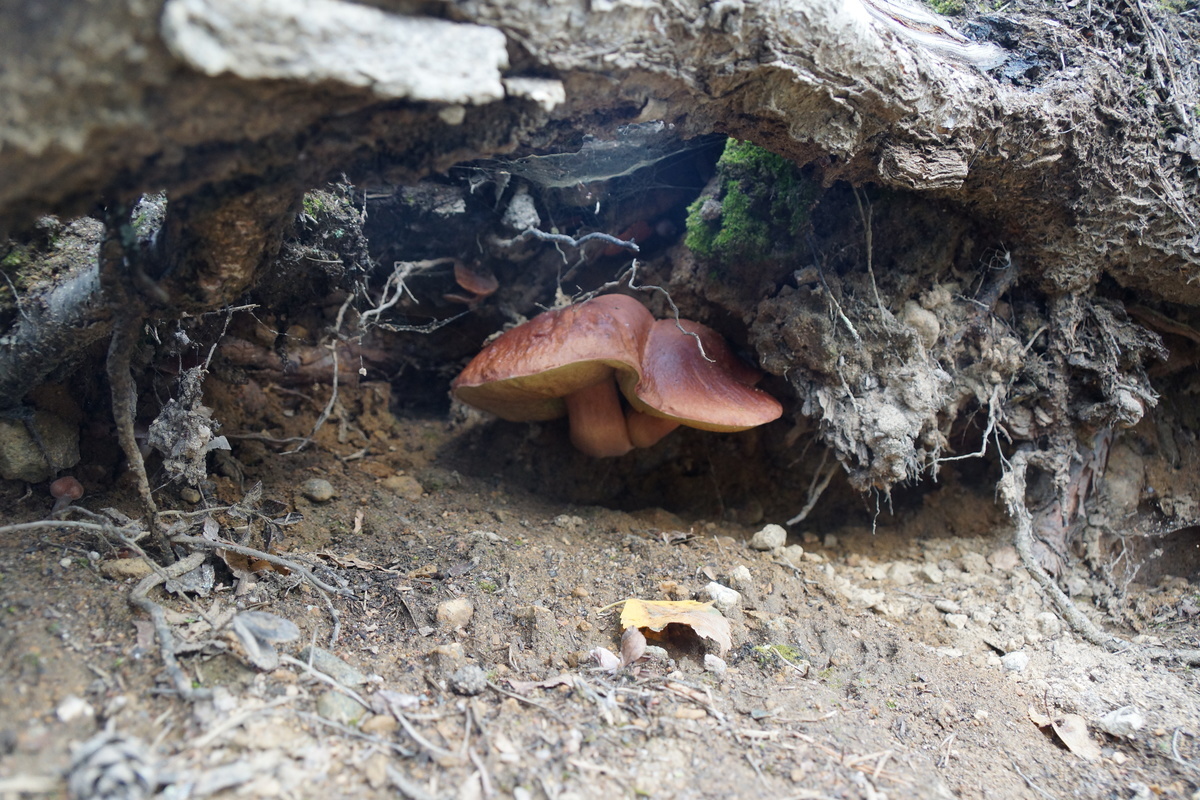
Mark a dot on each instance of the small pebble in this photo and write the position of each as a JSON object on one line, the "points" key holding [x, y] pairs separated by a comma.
{"points": [[1004, 559], [901, 573], [404, 486], [930, 573], [327, 663], [337, 707], [1049, 624], [1015, 662], [318, 490], [831, 541], [1125, 722], [455, 613], [793, 554], [380, 725], [956, 621], [469, 680], [947, 606], [189, 495], [121, 568], [715, 665], [723, 597], [73, 707], [769, 538], [740, 578]]}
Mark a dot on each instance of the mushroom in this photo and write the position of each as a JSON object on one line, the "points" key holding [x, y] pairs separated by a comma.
{"points": [[479, 283], [681, 385], [65, 491], [564, 362]]}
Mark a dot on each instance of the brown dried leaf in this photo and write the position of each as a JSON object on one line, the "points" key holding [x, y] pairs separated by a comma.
{"points": [[656, 615], [633, 646], [1072, 730], [242, 563], [1038, 718]]}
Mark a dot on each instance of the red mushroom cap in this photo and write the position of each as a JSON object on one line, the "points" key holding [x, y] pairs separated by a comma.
{"points": [[564, 361], [65, 491], [66, 487], [679, 385]]}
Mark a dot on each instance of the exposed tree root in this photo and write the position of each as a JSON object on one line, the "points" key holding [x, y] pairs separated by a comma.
{"points": [[1012, 490]]}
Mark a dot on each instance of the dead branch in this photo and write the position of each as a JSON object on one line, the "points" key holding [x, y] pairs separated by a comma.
{"points": [[166, 641]]}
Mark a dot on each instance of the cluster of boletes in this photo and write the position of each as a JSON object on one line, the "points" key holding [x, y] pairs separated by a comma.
{"points": [[578, 361]]}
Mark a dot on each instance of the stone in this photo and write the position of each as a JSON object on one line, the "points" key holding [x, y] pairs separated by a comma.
{"points": [[956, 621], [930, 573], [337, 707], [73, 707], [322, 42], [1049, 624], [769, 538], [1015, 661], [875, 572], [119, 569], [723, 597], [715, 665], [974, 563], [923, 321], [740, 577], [947, 606], [468, 680], [327, 663], [405, 487], [901, 573], [1125, 722], [1004, 559], [318, 490], [380, 725], [455, 613], [21, 459]]}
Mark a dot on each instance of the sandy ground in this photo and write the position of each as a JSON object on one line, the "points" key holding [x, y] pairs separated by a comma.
{"points": [[915, 660]]}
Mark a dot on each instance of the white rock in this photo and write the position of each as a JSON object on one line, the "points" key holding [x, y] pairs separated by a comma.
{"points": [[975, 563], [1003, 559], [956, 621], [1015, 661], [901, 573], [875, 573], [831, 541], [1125, 721], [769, 538], [930, 573], [1049, 624], [330, 41], [455, 613], [947, 606], [740, 577], [793, 554], [318, 490], [723, 597], [889, 607], [923, 321], [714, 664], [73, 707]]}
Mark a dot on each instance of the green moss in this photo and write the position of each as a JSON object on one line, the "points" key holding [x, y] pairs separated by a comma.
{"points": [[948, 8], [15, 259], [313, 204], [765, 654], [761, 208]]}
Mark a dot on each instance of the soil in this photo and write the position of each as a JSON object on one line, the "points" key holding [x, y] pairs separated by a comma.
{"points": [[902, 654]]}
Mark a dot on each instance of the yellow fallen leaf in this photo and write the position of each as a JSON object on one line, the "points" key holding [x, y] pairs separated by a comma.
{"points": [[702, 618], [1072, 729]]}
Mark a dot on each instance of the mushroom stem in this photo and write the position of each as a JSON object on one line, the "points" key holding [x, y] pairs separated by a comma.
{"points": [[646, 430], [597, 424]]}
